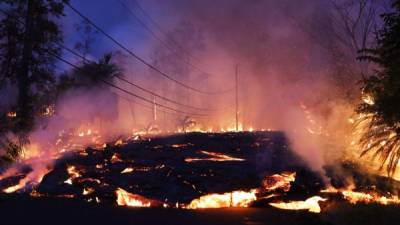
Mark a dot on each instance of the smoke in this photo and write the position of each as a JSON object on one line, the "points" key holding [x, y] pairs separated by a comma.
{"points": [[288, 77]]}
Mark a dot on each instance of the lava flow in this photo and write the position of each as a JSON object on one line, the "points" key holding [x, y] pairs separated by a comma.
{"points": [[120, 170], [213, 156], [311, 204], [231, 199], [355, 197], [125, 198]]}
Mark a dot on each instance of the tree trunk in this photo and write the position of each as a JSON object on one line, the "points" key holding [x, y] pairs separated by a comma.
{"points": [[25, 107]]}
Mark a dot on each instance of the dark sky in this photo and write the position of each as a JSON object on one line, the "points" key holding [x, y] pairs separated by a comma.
{"points": [[111, 16]]}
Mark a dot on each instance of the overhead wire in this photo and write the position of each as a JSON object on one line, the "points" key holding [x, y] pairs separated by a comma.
{"points": [[121, 78], [165, 44], [140, 59]]}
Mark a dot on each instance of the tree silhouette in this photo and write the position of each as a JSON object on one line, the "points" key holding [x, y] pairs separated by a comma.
{"points": [[28, 31], [380, 111]]}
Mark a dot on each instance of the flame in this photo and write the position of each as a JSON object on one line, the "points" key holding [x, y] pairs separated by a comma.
{"points": [[35, 176], [12, 114], [119, 142], [355, 197], [73, 173], [125, 198], [230, 199], [127, 170], [49, 110], [279, 181], [88, 191], [368, 99], [311, 204], [218, 157], [115, 158]]}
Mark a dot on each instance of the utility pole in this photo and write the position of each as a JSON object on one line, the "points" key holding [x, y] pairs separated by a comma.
{"points": [[237, 97], [154, 109]]}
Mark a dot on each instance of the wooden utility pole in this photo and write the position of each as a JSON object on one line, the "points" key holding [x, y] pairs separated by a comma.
{"points": [[154, 109], [237, 97]]}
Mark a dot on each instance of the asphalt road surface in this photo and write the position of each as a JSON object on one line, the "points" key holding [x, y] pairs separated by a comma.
{"points": [[21, 210]]}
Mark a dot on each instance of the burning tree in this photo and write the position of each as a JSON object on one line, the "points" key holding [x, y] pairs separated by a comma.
{"points": [[380, 112], [27, 32]]}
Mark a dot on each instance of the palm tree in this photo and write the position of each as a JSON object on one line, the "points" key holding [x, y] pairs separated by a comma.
{"points": [[379, 123]]}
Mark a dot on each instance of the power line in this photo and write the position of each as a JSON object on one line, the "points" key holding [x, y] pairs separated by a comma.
{"points": [[166, 45], [142, 104], [137, 57], [126, 91], [138, 86], [147, 106], [160, 28], [123, 79], [161, 97]]}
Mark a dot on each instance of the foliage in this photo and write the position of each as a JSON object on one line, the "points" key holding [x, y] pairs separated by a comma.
{"points": [[28, 31], [380, 112], [91, 75]]}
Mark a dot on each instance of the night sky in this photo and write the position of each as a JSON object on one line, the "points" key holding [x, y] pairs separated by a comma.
{"points": [[115, 19]]}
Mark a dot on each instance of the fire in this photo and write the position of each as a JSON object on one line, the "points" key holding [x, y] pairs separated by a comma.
{"points": [[368, 99], [119, 142], [33, 177], [127, 170], [311, 204], [355, 197], [88, 191], [230, 199], [73, 173], [218, 157], [125, 198], [12, 114], [279, 181], [49, 111], [115, 158]]}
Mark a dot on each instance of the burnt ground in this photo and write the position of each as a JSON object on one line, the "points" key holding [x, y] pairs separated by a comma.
{"points": [[161, 173]]}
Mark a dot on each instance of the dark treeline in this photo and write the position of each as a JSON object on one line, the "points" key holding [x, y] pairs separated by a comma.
{"points": [[30, 43]]}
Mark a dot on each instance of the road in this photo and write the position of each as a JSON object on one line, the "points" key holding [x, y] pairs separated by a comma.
{"points": [[20, 210]]}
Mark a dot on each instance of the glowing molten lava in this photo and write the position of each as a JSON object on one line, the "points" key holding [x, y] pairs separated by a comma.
{"points": [[34, 177], [73, 173], [127, 170], [310, 204], [279, 181], [213, 156], [115, 158], [125, 198], [11, 114], [355, 197], [230, 199]]}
